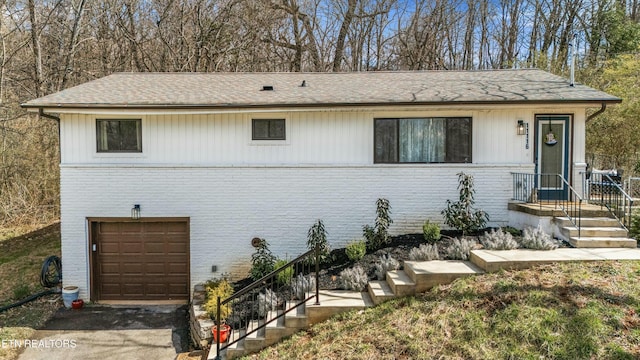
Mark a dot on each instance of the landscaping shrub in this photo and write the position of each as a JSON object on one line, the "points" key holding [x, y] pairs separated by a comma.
{"points": [[217, 288], [356, 250], [511, 230], [537, 239], [284, 276], [378, 235], [461, 215], [354, 279], [317, 236], [425, 252], [634, 229], [498, 240], [262, 261], [387, 263], [431, 232], [303, 285], [460, 249], [267, 301]]}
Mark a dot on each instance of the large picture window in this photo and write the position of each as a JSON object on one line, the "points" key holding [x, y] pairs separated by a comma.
{"points": [[423, 140], [268, 129], [119, 135]]}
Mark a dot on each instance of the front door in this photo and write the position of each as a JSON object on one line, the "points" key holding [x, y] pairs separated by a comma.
{"points": [[552, 156]]}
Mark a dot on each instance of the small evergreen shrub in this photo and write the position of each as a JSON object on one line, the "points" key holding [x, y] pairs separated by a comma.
{"points": [[511, 230], [634, 229], [498, 240], [317, 236], [378, 235], [356, 250], [267, 301], [461, 215], [425, 252], [303, 285], [354, 279], [262, 261], [217, 288], [537, 239], [386, 263], [284, 276], [431, 232], [460, 249]]}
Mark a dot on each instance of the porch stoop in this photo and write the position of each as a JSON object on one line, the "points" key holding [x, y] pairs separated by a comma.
{"points": [[416, 277], [595, 232]]}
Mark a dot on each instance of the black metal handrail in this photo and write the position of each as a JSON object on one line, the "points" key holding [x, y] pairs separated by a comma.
{"points": [[528, 188], [605, 190], [270, 298]]}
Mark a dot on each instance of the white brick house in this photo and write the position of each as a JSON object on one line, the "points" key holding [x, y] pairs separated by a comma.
{"points": [[214, 160]]}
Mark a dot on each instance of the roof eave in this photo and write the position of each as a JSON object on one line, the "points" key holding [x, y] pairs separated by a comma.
{"points": [[67, 106]]}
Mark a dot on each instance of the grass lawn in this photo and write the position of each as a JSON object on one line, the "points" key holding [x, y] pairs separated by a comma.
{"points": [[21, 259], [563, 311]]}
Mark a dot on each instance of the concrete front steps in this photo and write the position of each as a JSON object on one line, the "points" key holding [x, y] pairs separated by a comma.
{"points": [[416, 277], [595, 232]]}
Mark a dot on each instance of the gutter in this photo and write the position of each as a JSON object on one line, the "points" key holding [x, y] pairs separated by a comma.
{"points": [[41, 113], [253, 106], [603, 107]]}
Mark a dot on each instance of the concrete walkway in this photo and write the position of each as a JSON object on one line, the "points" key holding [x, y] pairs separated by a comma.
{"points": [[494, 260], [100, 333]]}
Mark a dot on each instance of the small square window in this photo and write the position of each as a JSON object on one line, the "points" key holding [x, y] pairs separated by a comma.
{"points": [[268, 129], [119, 135]]}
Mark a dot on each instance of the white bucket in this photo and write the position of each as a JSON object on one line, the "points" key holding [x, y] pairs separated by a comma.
{"points": [[69, 293]]}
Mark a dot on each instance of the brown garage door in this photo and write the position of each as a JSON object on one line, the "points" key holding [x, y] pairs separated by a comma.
{"points": [[140, 260]]}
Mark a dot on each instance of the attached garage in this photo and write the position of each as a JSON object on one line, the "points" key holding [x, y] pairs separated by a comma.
{"points": [[146, 260]]}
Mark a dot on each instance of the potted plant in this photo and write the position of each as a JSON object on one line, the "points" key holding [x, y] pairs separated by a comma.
{"points": [[223, 289], [222, 334]]}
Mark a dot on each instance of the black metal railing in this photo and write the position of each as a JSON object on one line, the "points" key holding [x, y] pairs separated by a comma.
{"points": [[549, 189], [269, 299], [606, 190]]}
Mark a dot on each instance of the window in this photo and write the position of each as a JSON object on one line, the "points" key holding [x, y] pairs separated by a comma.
{"points": [[423, 140], [119, 135], [268, 129]]}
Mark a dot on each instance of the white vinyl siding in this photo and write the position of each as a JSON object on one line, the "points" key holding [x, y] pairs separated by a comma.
{"points": [[317, 137]]}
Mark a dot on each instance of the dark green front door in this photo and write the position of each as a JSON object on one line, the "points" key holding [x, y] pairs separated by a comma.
{"points": [[552, 155]]}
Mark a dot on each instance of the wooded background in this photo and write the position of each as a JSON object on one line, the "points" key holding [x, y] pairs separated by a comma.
{"points": [[50, 45]]}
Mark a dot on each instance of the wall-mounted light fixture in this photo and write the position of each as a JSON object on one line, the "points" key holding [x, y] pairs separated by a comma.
{"points": [[520, 129], [135, 212]]}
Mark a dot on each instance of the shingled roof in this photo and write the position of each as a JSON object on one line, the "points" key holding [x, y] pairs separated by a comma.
{"points": [[249, 90]]}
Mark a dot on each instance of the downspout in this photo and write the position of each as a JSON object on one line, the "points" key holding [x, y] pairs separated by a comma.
{"points": [[41, 113], [602, 109]]}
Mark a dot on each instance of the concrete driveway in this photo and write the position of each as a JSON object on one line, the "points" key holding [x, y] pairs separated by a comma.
{"points": [[113, 332]]}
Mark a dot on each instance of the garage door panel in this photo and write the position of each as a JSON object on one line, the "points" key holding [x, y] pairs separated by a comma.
{"points": [[178, 268], [142, 260], [131, 228], [176, 227], [130, 247], [110, 268], [109, 248], [109, 228], [155, 269], [155, 247], [129, 268], [175, 248]]}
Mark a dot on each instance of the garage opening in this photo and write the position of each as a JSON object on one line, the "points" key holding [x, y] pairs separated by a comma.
{"points": [[146, 259]]}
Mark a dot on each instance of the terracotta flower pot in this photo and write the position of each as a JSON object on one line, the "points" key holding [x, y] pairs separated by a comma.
{"points": [[77, 304], [224, 332]]}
